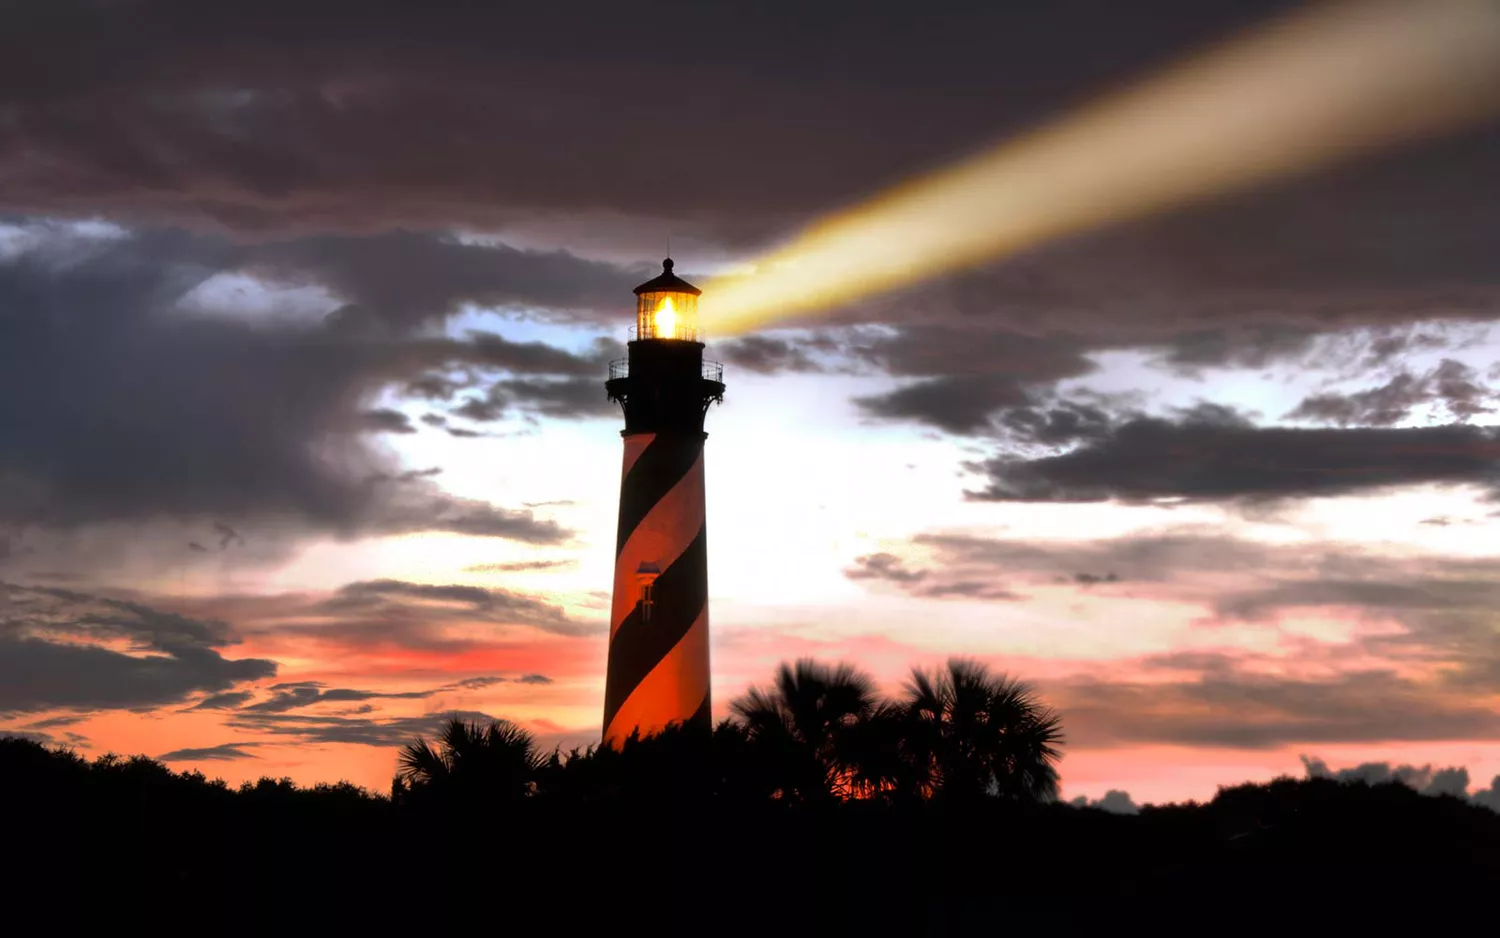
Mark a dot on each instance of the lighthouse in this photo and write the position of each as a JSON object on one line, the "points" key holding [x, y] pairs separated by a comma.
{"points": [[658, 624]]}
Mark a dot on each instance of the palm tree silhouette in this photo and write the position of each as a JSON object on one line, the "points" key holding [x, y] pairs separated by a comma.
{"points": [[968, 732], [807, 727], [498, 760]]}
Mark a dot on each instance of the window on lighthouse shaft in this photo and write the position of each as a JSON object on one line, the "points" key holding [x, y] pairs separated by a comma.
{"points": [[648, 599]]}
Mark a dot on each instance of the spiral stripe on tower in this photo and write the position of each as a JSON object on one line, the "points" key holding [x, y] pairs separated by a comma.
{"points": [[658, 652]]}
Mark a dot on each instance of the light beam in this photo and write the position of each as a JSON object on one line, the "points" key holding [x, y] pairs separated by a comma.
{"points": [[1303, 92]]}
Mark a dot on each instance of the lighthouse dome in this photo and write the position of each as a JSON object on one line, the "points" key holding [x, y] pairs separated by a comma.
{"points": [[668, 282]]}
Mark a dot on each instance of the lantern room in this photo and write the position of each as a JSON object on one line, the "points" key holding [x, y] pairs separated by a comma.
{"points": [[667, 307]]}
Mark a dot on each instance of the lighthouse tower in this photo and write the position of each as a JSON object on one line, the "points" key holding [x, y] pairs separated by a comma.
{"points": [[658, 625]]}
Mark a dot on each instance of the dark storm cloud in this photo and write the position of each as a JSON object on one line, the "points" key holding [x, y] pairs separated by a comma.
{"points": [[404, 279], [958, 405], [116, 407], [61, 649], [1248, 347], [1148, 459], [224, 752], [434, 388], [568, 398], [980, 375], [279, 118], [560, 398], [770, 354], [323, 112], [282, 117], [1058, 424]]}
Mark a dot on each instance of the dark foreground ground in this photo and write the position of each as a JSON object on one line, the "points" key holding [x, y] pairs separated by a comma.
{"points": [[131, 846]]}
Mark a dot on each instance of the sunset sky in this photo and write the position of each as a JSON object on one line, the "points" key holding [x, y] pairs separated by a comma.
{"points": [[306, 310]]}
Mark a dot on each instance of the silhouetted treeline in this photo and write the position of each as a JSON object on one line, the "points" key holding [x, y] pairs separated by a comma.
{"points": [[819, 733], [773, 828]]}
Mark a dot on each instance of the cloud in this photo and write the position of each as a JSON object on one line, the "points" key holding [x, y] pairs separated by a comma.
{"points": [[398, 280], [1059, 423], [1452, 384], [224, 752], [354, 730], [271, 140], [140, 414], [297, 131], [967, 375], [883, 566], [971, 564], [1114, 801], [1093, 579], [1488, 797], [475, 683], [227, 701], [1413, 656], [561, 398], [955, 404], [889, 568], [54, 722], [519, 566], [1233, 707], [398, 604], [1151, 459], [385, 420], [300, 694], [1452, 781], [770, 354], [61, 649]]}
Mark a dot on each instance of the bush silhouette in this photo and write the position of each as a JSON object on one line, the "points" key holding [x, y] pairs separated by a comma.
{"points": [[818, 809]]}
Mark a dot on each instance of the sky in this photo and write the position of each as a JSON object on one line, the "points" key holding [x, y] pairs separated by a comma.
{"points": [[306, 310]]}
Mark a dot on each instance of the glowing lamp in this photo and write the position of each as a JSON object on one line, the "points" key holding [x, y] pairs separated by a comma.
{"points": [[667, 308]]}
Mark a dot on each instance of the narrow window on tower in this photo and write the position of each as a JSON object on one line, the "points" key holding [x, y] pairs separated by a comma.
{"points": [[646, 575]]}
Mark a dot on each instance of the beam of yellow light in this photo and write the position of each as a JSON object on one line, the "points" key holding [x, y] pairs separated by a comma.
{"points": [[1300, 93]]}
